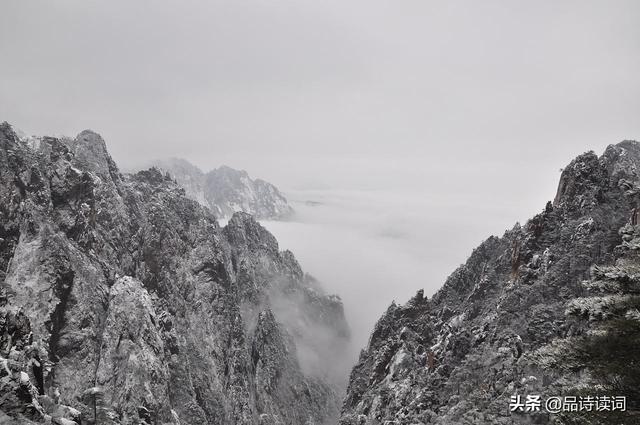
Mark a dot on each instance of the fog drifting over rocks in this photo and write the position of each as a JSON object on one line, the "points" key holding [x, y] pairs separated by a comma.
{"points": [[372, 246]]}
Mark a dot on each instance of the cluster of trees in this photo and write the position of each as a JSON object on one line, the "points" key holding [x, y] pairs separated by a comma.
{"points": [[606, 355]]}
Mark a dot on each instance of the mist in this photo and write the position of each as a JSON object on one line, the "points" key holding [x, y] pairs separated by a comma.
{"points": [[372, 246]]}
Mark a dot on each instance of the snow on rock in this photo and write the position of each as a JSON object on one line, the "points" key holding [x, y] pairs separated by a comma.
{"points": [[226, 191], [498, 324], [124, 302]]}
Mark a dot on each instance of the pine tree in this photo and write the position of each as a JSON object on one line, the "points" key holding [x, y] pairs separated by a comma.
{"points": [[605, 356]]}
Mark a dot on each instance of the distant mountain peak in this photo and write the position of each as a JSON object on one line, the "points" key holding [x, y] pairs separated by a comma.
{"points": [[226, 190]]}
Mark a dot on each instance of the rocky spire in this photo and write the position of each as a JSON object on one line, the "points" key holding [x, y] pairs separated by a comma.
{"points": [[460, 356], [123, 302]]}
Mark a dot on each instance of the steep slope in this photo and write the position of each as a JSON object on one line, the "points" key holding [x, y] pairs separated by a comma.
{"points": [[226, 190], [488, 333], [123, 302]]}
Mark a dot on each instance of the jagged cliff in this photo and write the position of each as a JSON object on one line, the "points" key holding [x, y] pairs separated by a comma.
{"points": [[494, 329], [226, 190], [124, 302]]}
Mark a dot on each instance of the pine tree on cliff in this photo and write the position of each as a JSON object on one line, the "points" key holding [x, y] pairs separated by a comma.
{"points": [[606, 356]]}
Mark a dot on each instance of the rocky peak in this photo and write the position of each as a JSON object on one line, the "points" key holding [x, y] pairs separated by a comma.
{"points": [[585, 181], [90, 153], [154, 177], [8, 134], [123, 302], [226, 191], [245, 231], [460, 356], [578, 177], [623, 161], [229, 172]]}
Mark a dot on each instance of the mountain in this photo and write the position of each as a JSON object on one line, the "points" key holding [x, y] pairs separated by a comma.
{"points": [[226, 190], [124, 302], [548, 309]]}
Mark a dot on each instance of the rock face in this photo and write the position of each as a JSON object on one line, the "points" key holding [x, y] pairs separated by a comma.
{"points": [[123, 302], [486, 335], [227, 191]]}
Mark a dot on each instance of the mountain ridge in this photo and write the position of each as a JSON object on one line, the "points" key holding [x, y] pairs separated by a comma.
{"points": [[124, 302], [226, 190], [459, 357]]}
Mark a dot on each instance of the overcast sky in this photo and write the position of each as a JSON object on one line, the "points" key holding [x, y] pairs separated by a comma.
{"points": [[326, 93], [239, 80], [490, 97]]}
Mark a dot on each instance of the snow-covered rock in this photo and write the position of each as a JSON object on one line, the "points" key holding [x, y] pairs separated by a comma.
{"points": [[124, 302], [499, 324], [227, 191]]}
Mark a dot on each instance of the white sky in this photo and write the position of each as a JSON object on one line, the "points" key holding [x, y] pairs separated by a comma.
{"points": [[458, 80], [447, 97]]}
